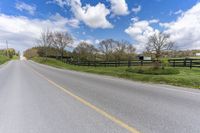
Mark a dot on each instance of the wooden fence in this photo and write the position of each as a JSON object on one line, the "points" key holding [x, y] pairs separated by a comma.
{"points": [[184, 62], [187, 62], [112, 63], [172, 62]]}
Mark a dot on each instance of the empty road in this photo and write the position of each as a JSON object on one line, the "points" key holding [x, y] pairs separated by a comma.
{"points": [[36, 98]]}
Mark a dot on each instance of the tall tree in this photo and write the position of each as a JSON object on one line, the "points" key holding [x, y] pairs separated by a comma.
{"points": [[46, 42], [157, 44], [61, 40], [85, 51], [107, 47], [119, 50], [130, 50]]}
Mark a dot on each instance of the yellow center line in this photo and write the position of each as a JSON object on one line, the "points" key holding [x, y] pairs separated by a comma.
{"points": [[100, 111]]}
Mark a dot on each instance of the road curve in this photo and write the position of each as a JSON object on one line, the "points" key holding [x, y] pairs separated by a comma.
{"points": [[32, 102]]}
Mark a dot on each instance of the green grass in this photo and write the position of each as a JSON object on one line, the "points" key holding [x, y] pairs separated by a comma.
{"points": [[185, 77], [153, 71], [15, 57], [3, 59]]}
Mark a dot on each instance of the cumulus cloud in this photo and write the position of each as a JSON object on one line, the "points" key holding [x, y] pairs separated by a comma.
{"points": [[61, 3], [135, 19], [178, 12], [140, 31], [153, 21], [22, 32], [26, 7], [136, 9], [92, 16], [119, 7], [185, 30], [65, 21]]}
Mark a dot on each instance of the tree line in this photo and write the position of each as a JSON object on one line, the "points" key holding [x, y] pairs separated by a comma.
{"points": [[55, 44], [10, 52]]}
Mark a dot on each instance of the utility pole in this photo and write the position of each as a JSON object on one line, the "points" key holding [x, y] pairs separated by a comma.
{"points": [[6, 48]]}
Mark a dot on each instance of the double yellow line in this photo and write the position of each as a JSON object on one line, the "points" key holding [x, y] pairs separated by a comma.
{"points": [[100, 111]]}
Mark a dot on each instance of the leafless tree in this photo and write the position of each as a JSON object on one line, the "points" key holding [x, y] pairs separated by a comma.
{"points": [[124, 50], [130, 50], [61, 40], [85, 51], [120, 49], [158, 43], [46, 41], [106, 47]]}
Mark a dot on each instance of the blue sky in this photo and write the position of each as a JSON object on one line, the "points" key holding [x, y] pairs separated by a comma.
{"points": [[132, 20]]}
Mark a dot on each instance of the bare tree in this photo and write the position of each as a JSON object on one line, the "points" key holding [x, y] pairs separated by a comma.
{"points": [[120, 50], [107, 48], [130, 50], [61, 40], [85, 51], [124, 50], [158, 43], [45, 41]]}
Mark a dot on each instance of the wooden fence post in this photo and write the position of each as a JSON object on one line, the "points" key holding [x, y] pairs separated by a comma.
{"points": [[184, 62], [129, 63], [141, 62], [174, 63], [190, 63]]}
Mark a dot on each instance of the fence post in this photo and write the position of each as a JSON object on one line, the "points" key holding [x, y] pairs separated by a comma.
{"points": [[190, 63], [95, 63], [174, 63], [184, 62], [141, 62], [129, 63]]}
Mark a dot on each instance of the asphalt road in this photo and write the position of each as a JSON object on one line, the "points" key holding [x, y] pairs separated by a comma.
{"points": [[36, 98]]}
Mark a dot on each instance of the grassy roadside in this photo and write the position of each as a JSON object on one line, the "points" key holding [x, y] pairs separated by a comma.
{"points": [[186, 77], [3, 59], [15, 57]]}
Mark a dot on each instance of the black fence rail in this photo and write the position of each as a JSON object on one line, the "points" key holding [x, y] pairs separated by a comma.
{"points": [[184, 62], [112, 63], [187, 62]]}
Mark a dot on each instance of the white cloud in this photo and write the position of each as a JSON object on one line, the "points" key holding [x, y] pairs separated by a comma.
{"points": [[140, 32], [92, 16], [26, 7], [135, 19], [178, 12], [185, 30], [153, 21], [119, 7], [136, 9], [65, 21], [61, 3], [22, 32]]}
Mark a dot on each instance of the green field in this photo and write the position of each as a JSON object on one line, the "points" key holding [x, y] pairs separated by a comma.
{"points": [[185, 77], [3, 59], [15, 57]]}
